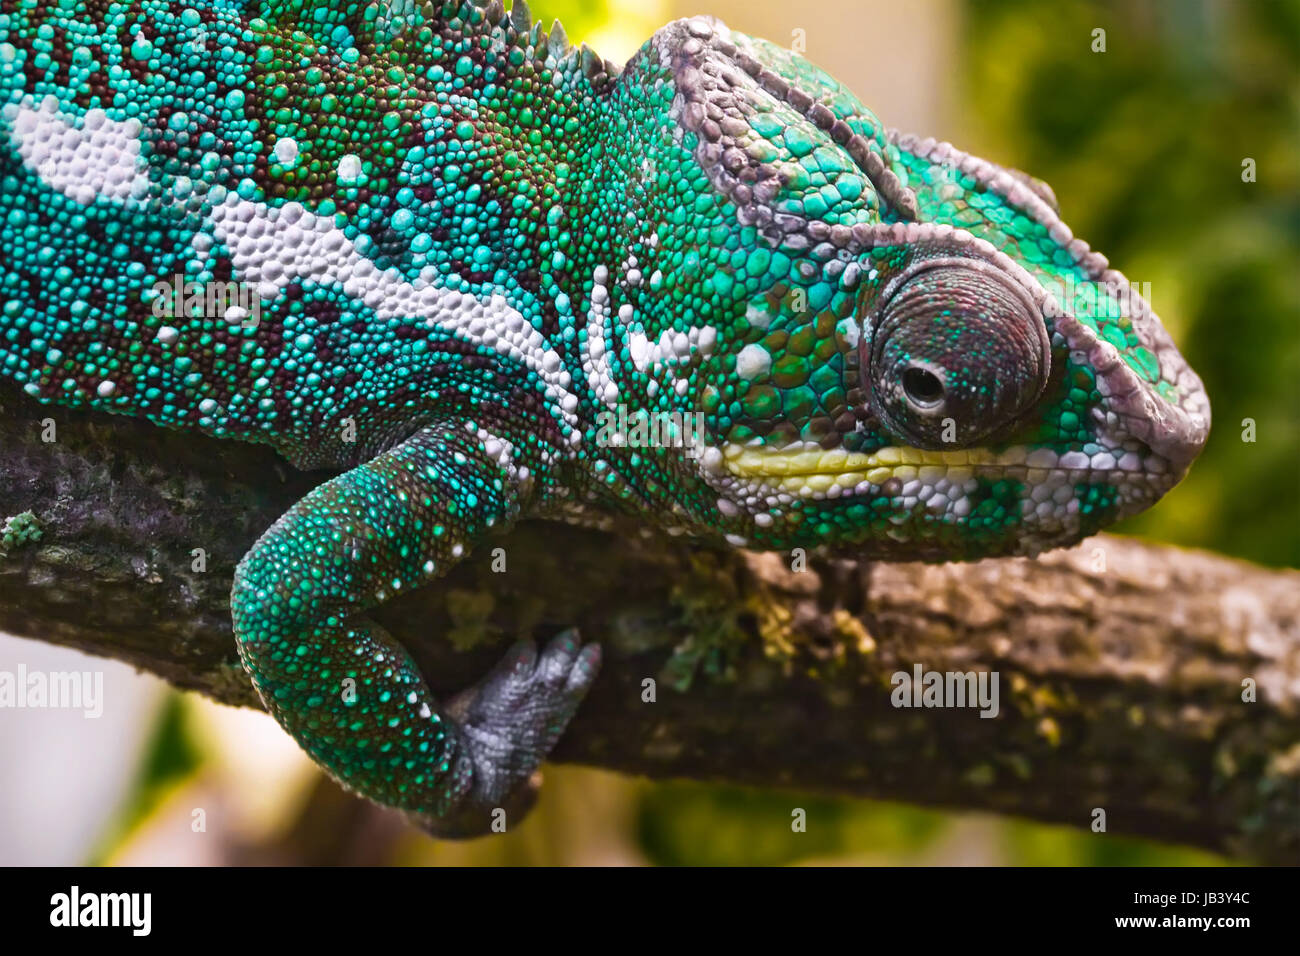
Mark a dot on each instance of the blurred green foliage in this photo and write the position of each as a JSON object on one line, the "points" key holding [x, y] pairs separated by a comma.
{"points": [[690, 824], [171, 755], [1036, 844]]}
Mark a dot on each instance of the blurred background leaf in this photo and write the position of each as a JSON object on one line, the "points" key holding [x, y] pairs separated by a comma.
{"points": [[172, 756]]}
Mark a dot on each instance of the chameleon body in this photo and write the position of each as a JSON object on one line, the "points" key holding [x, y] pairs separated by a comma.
{"points": [[469, 248]]}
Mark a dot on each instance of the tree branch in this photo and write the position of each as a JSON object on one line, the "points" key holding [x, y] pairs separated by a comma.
{"points": [[1120, 664]]}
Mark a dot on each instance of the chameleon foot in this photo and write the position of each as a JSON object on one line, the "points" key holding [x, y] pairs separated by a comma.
{"points": [[508, 723]]}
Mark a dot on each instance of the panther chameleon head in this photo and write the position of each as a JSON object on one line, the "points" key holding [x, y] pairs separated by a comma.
{"points": [[924, 362]]}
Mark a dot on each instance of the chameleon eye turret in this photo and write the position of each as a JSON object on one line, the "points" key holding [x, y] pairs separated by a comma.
{"points": [[957, 350]]}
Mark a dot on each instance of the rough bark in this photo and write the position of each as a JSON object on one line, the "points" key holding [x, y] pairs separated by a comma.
{"points": [[1121, 665]]}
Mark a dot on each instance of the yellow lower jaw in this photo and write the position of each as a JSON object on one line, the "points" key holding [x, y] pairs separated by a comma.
{"points": [[818, 469]]}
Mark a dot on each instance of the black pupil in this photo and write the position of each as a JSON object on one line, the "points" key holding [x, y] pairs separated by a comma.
{"points": [[922, 387]]}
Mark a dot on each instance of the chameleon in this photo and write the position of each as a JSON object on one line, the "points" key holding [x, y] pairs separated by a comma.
{"points": [[464, 269]]}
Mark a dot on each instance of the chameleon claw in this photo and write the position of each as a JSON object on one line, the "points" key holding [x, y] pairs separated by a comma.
{"points": [[510, 721]]}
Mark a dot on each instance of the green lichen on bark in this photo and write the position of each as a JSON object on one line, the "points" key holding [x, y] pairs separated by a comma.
{"points": [[18, 530]]}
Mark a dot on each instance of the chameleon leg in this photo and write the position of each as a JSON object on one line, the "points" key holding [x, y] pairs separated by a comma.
{"points": [[346, 690]]}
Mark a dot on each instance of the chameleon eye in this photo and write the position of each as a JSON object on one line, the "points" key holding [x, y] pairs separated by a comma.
{"points": [[922, 387], [957, 350]]}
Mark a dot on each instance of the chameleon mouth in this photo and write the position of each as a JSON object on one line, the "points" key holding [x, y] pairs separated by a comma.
{"points": [[1021, 499], [817, 472]]}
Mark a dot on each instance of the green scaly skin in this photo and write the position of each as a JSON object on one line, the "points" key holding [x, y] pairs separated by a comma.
{"points": [[480, 265]]}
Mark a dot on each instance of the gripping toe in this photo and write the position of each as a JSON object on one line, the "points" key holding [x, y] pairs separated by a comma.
{"points": [[510, 721]]}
